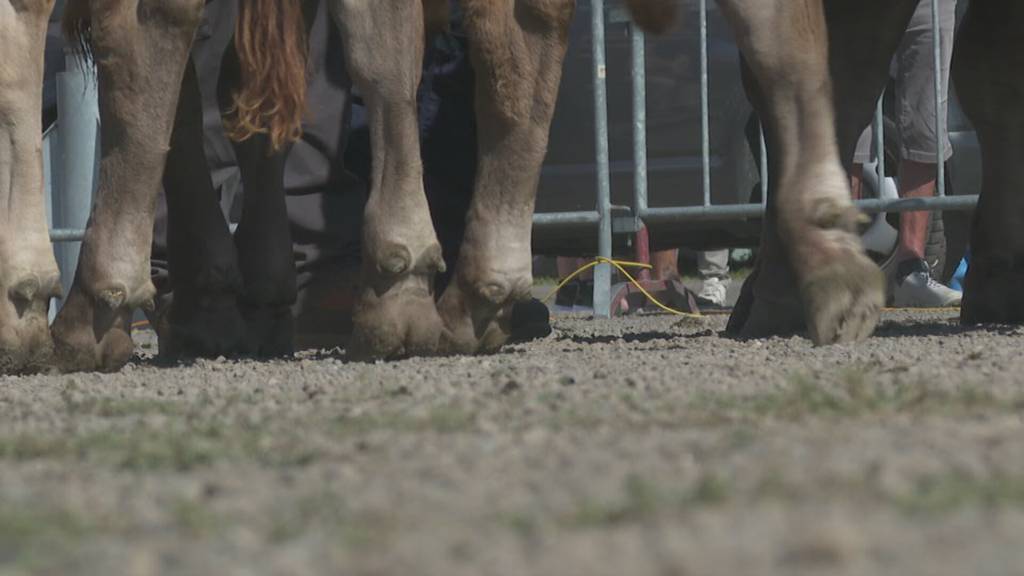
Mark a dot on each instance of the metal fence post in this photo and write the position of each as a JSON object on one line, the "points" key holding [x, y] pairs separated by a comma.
{"points": [[879, 134], [639, 81], [705, 129], [602, 272], [940, 120], [78, 116]]}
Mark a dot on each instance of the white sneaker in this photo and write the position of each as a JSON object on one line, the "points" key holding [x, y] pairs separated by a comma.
{"points": [[712, 293], [917, 288]]}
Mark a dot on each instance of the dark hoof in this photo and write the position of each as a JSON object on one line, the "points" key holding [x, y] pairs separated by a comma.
{"points": [[993, 291], [205, 326], [270, 331]]}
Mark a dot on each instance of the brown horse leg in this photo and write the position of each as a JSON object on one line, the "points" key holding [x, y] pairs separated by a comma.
{"points": [[140, 47], [517, 48], [395, 313], [28, 272], [770, 303], [987, 64], [786, 46]]}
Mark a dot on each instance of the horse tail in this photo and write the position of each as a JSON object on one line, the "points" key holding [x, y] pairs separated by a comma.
{"points": [[270, 39]]}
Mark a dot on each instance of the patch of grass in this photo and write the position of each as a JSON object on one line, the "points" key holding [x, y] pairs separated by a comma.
{"points": [[194, 518], [947, 492], [26, 446], [441, 419], [111, 407], [181, 446], [34, 536], [642, 501], [853, 392]]}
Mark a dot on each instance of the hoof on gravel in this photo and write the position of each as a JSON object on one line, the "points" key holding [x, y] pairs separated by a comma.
{"points": [[402, 322], [477, 320], [205, 326], [993, 292], [762, 317], [843, 300], [89, 335], [270, 331], [394, 315], [25, 342]]}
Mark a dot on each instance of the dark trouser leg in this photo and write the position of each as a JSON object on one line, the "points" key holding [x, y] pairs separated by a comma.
{"points": [[203, 319]]}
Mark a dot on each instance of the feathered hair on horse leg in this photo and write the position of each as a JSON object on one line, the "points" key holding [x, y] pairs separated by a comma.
{"points": [[270, 39], [76, 24]]}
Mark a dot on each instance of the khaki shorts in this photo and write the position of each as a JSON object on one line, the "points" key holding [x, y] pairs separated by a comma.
{"points": [[915, 87]]}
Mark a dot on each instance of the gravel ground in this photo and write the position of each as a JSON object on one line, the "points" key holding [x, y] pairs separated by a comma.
{"points": [[645, 445]]}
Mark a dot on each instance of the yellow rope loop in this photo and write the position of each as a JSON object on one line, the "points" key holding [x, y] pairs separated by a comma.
{"points": [[620, 266]]}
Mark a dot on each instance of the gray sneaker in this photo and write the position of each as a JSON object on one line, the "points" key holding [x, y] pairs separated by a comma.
{"points": [[915, 288], [712, 293]]}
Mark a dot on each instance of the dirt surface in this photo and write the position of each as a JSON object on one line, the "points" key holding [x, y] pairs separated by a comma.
{"points": [[647, 445]]}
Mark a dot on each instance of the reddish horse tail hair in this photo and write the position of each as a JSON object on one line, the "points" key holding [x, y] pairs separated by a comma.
{"points": [[270, 39]]}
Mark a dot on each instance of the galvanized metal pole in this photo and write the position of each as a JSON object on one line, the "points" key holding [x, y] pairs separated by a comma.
{"points": [[602, 272], [705, 148], [879, 134], [940, 120], [78, 115], [764, 166], [639, 77]]}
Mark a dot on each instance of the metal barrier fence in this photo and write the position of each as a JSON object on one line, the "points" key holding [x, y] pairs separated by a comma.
{"points": [[642, 213], [70, 156]]}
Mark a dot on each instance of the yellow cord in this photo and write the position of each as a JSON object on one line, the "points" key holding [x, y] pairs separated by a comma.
{"points": [[620, 265]]}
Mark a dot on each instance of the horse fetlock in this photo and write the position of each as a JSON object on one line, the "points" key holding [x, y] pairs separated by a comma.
{"points": [[32, 286]]}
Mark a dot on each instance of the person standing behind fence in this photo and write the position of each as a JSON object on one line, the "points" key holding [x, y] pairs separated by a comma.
{"points": [[914, 286]]}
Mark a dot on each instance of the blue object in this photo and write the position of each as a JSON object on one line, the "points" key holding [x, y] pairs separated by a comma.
{"points": [[957, 282]]}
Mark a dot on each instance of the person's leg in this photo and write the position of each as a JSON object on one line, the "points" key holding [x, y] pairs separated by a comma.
{"points": [[580, 290], [917, 180], [665, 263], [861, 156], [713, 267], [915, 95]]}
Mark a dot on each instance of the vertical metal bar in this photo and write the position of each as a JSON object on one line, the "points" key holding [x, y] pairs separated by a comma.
{"points": [[940, 120], [50, 145], [78, 113], [878, 130], [639, 77], [602, 272], [705, 148], [764, 166]]}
